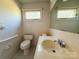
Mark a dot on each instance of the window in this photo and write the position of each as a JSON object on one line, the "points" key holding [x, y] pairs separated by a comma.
{"points": [[66, 13], [32, 15]]}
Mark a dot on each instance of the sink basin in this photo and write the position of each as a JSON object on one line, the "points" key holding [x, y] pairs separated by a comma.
{"points": [[48, 44], [51, 47]]}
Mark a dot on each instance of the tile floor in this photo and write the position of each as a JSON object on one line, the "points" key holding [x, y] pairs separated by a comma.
{"points": [[20, 54]]}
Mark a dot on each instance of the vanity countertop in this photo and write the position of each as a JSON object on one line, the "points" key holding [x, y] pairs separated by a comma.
{"points": [[70, 38]]}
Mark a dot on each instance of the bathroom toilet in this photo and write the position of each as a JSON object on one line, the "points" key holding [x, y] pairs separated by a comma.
{"points": [[25, 45]]}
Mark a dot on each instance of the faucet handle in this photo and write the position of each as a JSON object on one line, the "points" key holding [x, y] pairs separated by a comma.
{"points": [[62, 43]]}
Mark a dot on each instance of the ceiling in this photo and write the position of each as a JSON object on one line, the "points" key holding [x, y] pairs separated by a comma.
{"points": [[32, 1]]}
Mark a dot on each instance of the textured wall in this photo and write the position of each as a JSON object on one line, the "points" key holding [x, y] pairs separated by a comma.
{"points": [[71, 25]]}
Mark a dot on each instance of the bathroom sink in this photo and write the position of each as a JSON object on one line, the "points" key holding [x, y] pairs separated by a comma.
{"points": [[48, 44], [52, 47], [69, 51], [56, 50]]}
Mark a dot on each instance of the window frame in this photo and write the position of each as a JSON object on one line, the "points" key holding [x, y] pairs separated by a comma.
{"points": [[67, 9], [27, 10]]}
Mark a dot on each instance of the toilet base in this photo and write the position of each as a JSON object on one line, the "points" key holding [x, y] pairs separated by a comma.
{"points": [[26, 51]]}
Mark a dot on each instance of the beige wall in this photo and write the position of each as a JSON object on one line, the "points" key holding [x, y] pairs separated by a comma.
{"points": [[37, 27], [10, 19]]}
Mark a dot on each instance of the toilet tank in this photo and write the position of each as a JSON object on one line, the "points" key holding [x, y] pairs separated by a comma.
{"points": [[28, 37]]}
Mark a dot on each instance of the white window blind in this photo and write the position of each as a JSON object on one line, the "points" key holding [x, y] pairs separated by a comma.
{"points": [[32, 15], [68, 13]]}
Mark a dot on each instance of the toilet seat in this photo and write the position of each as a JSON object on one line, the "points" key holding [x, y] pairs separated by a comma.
{"points": [[25, 44]]}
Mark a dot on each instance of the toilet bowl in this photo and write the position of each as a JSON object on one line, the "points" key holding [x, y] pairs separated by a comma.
{"points": [[26, 43]]}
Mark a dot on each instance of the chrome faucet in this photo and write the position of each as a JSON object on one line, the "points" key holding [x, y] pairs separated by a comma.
{"points": [[62, 43]]}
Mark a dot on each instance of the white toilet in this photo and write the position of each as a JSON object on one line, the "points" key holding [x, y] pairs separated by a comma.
{"points": [[26, 43]]}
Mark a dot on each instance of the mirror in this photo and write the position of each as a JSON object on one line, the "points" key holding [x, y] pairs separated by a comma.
{"points": [[65, 16]]}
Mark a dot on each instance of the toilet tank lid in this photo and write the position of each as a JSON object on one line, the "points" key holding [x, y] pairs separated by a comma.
{"points": [[28, 37]]}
